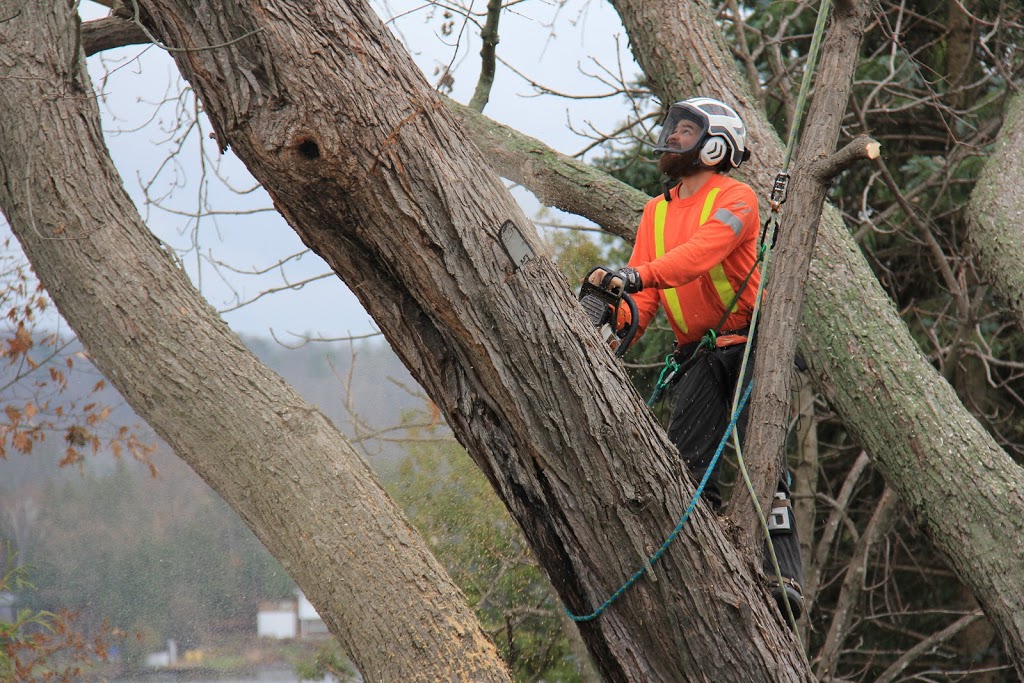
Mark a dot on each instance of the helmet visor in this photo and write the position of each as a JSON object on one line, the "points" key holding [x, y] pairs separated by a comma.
{"points": [[683, 131]]}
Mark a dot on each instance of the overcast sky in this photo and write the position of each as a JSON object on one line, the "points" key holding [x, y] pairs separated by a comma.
{"points": [[556, 45]]}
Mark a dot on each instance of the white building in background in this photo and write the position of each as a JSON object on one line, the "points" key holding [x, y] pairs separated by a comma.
{"points": [[290, 619], [277, 620]]}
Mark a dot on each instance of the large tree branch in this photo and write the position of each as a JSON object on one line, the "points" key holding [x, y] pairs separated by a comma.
{"points": [[791, 258], [555, 179], [996, 214]]}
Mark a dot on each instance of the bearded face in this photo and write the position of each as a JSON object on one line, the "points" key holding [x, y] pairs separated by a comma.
{"points": [[680, 164]]}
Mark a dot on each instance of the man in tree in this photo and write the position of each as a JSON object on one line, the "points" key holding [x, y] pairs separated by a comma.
{"points": [[696, 254]]}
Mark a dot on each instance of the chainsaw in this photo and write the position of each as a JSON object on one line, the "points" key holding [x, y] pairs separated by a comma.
{"points": [[601, 304]]}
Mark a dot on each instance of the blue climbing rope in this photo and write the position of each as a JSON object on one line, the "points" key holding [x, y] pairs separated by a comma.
{"points": [[679, 527]]}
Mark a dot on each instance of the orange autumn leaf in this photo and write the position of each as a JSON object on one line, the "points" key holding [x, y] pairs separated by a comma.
{"points": [[71, 456], [21, 342], [22, 442]]}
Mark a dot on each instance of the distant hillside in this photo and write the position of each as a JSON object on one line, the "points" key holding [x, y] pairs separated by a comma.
{"points": [[366, 374]]}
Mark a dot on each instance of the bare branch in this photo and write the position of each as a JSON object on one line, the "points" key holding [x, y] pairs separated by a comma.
{"points": [[927, 645], [489, 35]]}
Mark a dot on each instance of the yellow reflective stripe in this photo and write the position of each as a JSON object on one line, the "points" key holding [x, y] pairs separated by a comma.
{"points": [[725, 291], [709, 204], [675, 310], [718, 277], [660, 211]]}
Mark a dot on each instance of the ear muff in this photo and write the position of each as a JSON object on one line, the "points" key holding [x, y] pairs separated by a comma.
{"points": [[714, 151]]}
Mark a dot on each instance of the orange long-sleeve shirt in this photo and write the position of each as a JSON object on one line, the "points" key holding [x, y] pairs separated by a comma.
{"points": [[695, 262]]}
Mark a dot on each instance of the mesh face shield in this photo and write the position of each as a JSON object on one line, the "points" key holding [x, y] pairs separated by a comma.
{"points": [[676, 115]]}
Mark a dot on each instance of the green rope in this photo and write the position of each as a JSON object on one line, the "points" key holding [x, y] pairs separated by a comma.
{"points": [[805, 84]]}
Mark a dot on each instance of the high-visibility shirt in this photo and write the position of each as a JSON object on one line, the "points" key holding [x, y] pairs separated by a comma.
{"points": [[692, 255]]}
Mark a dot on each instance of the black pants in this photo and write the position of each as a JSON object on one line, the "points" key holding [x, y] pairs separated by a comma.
{"points": [[700, 411], [701, 408]]}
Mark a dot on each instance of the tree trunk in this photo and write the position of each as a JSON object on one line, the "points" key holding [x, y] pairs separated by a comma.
{"points": [[370, 168], [274, 458], [791, 257]]}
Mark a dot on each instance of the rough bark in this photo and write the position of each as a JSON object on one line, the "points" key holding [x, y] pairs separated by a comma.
{"points": [[996, 213], [273, 457], [389, 192]]}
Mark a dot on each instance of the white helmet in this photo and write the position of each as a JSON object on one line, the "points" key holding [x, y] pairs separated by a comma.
{"points": [[723, 136]]}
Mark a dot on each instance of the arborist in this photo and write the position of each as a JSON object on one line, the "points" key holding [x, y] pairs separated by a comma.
{"points": [[696, 254]]}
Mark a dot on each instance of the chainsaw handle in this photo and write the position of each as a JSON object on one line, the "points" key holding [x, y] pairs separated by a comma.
{"points": [[634, 325], [601, 305]]}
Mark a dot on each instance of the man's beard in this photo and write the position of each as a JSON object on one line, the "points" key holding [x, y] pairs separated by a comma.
{"points": [[679, 164]]}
